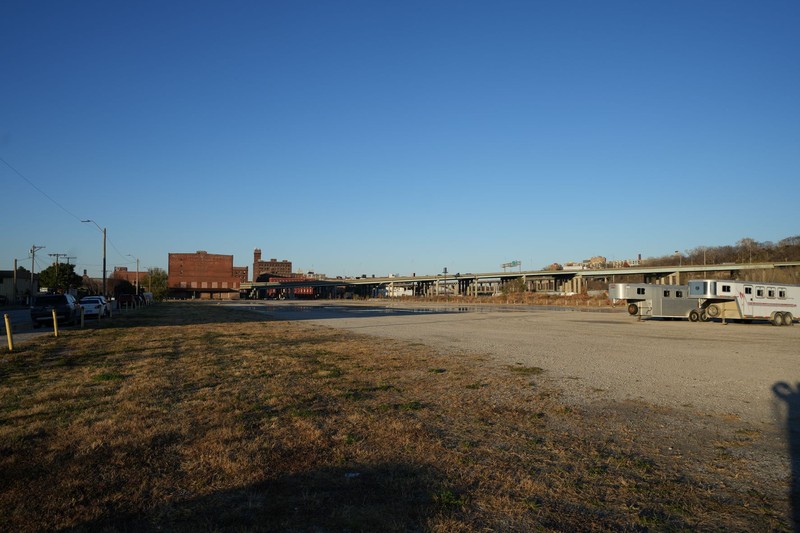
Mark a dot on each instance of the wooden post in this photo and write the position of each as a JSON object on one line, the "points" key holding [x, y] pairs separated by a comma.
{"points": [[8, 334], [55, 323]]}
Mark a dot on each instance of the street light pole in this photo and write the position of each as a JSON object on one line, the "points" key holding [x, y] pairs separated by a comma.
{"points": [[104, 253], [137, 272]]}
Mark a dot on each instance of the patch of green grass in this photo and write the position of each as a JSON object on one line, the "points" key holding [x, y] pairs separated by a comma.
{"points": [[525, 370], [437, 370], [356, 395], [407, 406], [299, 411], [352, 439], [108, 376], [448, 498]]}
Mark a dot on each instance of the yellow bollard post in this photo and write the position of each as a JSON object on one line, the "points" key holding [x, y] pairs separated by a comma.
{"points": [[8, 334], [55, 323]]}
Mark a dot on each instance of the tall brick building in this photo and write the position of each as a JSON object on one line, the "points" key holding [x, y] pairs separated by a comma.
{"points": [[202, 275], [280, 269], [241, 274]]}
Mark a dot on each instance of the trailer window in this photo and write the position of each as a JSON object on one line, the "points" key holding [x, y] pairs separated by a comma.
{"points": [[760, 292], [678, 294], [698, 288], [726, 288], [770, 292], [781, 293], [666, 294], [640, 290], [748, 290]]}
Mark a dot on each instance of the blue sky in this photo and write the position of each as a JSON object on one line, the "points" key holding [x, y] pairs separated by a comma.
{"points": [[396, 137]]}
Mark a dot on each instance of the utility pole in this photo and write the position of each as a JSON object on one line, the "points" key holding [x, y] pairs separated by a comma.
{"points": [[137, 272], [15, 283], [33, 264], [68, 257], [57, 256], [104, 252]]}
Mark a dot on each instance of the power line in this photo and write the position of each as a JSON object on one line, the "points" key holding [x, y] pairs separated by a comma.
{"points": [[67, 211], [21, 175]]}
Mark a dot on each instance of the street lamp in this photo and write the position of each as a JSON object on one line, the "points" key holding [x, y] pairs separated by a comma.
{"points": [[104, 253], [137, 272]]}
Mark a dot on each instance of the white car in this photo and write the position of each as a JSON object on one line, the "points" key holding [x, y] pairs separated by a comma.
{"points": [[95, 306]]}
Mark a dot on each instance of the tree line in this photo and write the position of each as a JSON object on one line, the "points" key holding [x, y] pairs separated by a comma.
{"points": [[746, 250]]}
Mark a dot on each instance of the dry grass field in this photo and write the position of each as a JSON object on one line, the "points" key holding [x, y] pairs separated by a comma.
{"points": [[187, 417]]}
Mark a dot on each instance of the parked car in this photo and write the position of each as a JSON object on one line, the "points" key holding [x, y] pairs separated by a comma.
{"points": [[95, 306], [67, 309]]}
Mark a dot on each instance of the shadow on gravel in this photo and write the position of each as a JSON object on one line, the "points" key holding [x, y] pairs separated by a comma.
{"points": [[791, 396]]}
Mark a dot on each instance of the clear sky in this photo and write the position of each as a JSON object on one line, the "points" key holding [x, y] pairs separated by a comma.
{"points": [[382, 137]]}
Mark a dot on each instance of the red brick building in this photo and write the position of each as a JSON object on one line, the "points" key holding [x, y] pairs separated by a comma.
{"points": [[202, 275], [241, 274], [127, 275], [281, 269]]}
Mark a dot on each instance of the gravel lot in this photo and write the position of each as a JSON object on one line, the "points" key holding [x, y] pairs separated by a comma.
{"points": [[705, 367]]}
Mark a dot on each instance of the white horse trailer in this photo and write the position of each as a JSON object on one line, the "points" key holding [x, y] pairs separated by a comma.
{"points": [[656, 301], [747, 300]]}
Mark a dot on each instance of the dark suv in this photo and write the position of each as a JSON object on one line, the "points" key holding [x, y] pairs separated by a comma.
{"points": [[67, 309]]}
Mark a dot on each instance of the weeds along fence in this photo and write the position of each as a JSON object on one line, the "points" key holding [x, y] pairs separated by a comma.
{"points": [[518, 298]]}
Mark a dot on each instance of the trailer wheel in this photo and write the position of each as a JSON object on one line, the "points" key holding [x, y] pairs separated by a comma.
{"points": [[788, 319], [694, 315], [777, 319], [633, 309], [713, 311], [704, 316]]}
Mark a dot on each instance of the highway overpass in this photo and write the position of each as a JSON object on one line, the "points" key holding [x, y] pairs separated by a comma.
{"points": [[469, 284]]}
